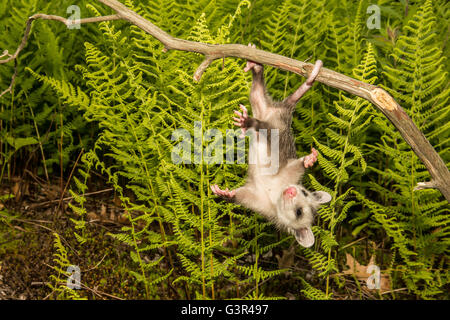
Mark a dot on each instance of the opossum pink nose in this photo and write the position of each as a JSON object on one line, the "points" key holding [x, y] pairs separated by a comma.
{"points": [[290, 192]]}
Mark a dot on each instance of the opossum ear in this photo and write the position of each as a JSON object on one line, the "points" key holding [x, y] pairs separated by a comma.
{"points": [[321, 196], [304, 237]]}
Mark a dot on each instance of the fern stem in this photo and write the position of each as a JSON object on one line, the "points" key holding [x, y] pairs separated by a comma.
{"points": [[61, 180], [328, 275], [256, 271], [163, 234], [39, 139], [154, 203], [210, 241], [413, 201], [202, 201], [136, 248]]}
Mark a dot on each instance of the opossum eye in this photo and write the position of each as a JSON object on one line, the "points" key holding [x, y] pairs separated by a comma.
{"points": [[304, 193], [299, 212]]}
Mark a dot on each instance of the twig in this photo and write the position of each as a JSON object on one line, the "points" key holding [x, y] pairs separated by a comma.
{"points": [[95, 291], [68, 198], [351, 243], [95, 267], [100, 293], [68, 181], [35, 178], [9, 89]]}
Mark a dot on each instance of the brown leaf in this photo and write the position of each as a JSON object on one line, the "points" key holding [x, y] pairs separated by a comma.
{"points": [[290, 296], [124, 218], [103, 213], [287, 258], [15, 190], [112, 215], [117, 201], [92, 216]]}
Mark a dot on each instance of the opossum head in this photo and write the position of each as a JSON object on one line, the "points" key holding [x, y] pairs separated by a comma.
{"points": [[296, 209]]}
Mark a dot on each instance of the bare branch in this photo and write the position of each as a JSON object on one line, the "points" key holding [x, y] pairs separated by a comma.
{"points": [[202, 67], [9, 89], [377, 96]]}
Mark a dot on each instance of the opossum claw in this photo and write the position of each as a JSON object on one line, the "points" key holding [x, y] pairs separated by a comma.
{"points": [[251, 64], [240, 122], [223, 193], [310, 159]]}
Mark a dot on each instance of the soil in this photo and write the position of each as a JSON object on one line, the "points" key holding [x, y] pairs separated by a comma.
{"points": [[30, 214]]}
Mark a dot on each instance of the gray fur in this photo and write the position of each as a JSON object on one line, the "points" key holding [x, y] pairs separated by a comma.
{"points": [[269, 194]]}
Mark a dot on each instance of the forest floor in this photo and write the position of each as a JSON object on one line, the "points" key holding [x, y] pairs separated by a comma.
{"points": [[28, 220], [32, 211]]}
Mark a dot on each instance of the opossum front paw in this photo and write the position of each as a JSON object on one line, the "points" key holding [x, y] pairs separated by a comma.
{"points": [[253, 65], [242, 120], [310, 159], [227, 194]]}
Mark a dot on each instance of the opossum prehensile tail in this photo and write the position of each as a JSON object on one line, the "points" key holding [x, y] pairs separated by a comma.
{"points": [[279, 196]]}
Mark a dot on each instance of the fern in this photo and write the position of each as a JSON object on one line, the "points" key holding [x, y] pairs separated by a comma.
{"points": [[59, 285], [339, 158], [417, 79]]}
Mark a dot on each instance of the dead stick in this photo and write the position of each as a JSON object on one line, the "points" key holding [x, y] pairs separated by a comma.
{"points": [[69, 198]]}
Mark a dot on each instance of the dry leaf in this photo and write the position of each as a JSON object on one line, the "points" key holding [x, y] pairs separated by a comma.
{"points": [[117, 201], [112, 215], [287, 258], [15, 190], [92, 216], [103, 213], [290, 296], [124, 218]]}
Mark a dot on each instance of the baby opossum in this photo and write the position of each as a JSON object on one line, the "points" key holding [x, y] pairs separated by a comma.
{"points": [[279, 197]]}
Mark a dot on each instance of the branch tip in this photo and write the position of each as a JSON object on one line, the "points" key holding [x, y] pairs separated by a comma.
{"points": [[202, 67], [425, 185]]}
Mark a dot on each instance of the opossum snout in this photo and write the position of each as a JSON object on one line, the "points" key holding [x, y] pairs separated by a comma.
{"points": [[290, 192]]}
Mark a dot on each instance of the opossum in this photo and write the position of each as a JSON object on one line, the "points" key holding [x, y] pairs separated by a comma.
{"points": [[279, 196]]}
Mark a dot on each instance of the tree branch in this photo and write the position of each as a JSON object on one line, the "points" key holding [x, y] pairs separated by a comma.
{"points": [[13, 78], [377, 96], [24, 41], [67, 22]]}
